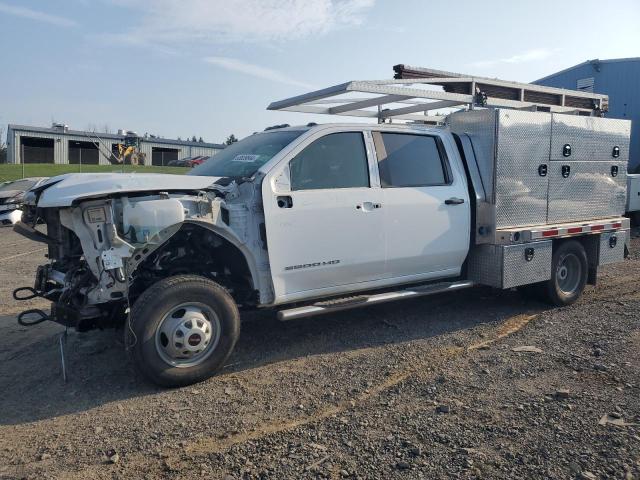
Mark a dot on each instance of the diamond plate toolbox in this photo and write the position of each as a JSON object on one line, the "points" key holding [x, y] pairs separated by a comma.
{"points": [[510, 147], [586, 190], [612, 247], [589, 138], [540, 168], [522, 147], [507, 266]]}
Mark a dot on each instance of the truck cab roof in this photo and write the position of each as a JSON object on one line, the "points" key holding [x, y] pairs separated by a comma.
{"points": [[356, 126]]}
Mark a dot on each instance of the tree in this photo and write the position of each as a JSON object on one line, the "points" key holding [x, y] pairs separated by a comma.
{"points": [[193, 139], [231, 139], [200, 140]]}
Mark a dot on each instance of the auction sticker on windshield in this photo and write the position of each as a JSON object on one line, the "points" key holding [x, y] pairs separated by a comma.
{"points": [[245, 158]]}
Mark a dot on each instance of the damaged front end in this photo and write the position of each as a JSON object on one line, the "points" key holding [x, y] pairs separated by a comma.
{"points": [[103, 253]]}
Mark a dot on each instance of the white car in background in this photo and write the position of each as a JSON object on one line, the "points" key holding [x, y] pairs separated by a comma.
{"points": [[11, 196]]}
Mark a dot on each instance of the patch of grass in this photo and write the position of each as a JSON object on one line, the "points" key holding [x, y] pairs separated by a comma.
{"points": [[14, 172]]}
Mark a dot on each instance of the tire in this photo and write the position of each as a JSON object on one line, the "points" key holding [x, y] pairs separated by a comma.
{"points": [[181, 330], [569, 271]]}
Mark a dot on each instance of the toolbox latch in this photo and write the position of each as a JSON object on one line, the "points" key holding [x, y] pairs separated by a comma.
{"points": [[616, 152], [528, 253], [542, 170]]}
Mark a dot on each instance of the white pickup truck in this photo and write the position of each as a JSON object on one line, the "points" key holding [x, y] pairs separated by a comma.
{"points": [[317, 218]]}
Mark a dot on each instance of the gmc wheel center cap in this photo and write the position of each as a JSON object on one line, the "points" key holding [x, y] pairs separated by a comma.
{"points": [[194, 339]]}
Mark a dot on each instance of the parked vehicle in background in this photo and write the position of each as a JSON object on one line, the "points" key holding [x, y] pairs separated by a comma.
{"points": [[319, 218], [633, 197], [189, 161], [11, 197], [195, 161], [178, 163]]}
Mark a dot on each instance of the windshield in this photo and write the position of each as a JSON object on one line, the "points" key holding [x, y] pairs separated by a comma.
{"points": [[244, 158], [18, 185]]}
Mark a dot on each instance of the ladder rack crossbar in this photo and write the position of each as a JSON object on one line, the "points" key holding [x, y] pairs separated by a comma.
{"points": [[417, 95]]}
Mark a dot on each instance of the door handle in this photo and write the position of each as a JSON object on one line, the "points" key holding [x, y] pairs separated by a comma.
{"points": [[454, 201], [368, 206], [284, 201]]}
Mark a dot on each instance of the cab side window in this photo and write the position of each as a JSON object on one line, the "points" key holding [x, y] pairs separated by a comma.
{"points": [[407, 160], [337, 160]]}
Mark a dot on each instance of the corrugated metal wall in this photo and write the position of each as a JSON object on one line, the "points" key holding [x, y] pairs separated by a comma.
{"points": [[195, 151], [61, 146], [184, 151], [620, 79], [11, 146]]}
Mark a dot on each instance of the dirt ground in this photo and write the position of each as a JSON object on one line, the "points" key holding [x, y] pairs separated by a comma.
{"points": [[428, 388]]}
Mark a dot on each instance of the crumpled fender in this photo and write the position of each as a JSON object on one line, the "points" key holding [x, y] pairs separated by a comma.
{"points": [[231, 238]]}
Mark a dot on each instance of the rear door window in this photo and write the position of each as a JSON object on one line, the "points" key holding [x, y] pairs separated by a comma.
{"points": [[337, 160], [407, 160]]}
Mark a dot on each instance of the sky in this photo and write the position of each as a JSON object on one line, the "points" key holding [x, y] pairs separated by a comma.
{"points": [[178, 68]]}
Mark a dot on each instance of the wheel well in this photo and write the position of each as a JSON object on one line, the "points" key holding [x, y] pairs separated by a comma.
{"points": [[200, 251], [590, 244]]}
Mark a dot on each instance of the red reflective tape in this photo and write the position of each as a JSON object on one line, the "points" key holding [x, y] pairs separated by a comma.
{"points": [[616, 225], [574, 230], [550, 233], [597, 227]]}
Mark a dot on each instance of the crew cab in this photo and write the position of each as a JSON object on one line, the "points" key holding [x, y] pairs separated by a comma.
{"points": [[311, 219]]}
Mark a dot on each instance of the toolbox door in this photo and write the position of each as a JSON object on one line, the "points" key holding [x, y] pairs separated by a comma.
{"points": [[586, 190], [522, 164], [588, 168], [589, 139]]}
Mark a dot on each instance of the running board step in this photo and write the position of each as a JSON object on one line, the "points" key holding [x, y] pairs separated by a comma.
{"points": [[362, 300]]}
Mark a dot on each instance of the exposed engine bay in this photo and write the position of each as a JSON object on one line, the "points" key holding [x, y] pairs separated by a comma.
{"points": [[103, 253]]}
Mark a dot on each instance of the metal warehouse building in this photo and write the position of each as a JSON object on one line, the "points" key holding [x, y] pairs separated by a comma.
{"points": [[618, 78], [60, 145]]}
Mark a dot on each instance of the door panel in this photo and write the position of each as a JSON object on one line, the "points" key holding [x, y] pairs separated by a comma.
{"points": [[324, 222], [426, 209], [325, 240], [425, 235]]}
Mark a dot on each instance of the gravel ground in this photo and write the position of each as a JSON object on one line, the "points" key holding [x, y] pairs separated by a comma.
{"points": [[429, 388]]}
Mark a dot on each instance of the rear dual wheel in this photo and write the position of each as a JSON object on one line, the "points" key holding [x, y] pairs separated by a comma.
{"points": [[569, 270], [182, 330]]}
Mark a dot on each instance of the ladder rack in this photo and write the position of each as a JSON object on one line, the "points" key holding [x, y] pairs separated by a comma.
{"points": [[417, 92]]}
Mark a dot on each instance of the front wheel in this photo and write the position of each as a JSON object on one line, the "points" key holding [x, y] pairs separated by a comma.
{"points": [[569, 270], [181, 330]]}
